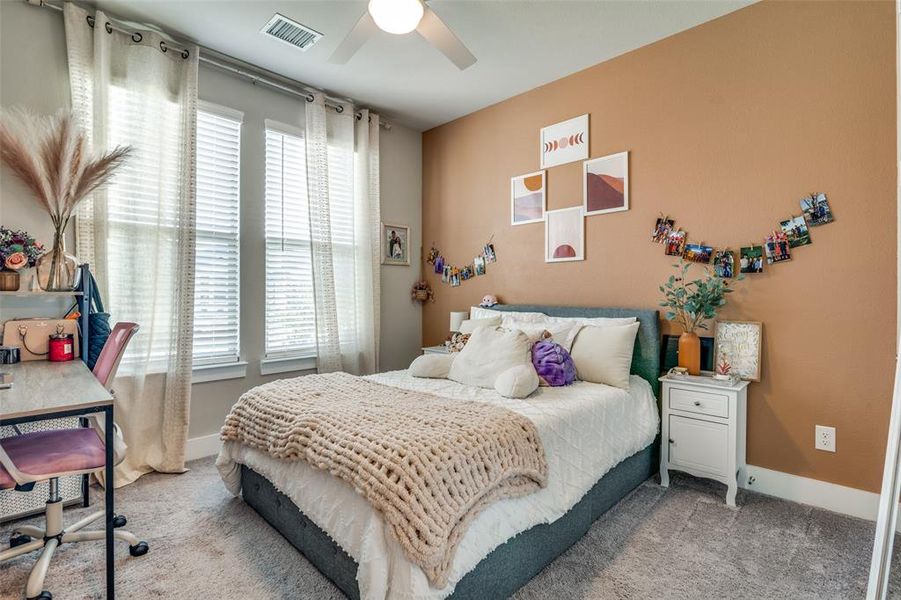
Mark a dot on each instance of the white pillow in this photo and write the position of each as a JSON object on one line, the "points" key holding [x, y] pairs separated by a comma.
{"points": [[561, 333], [517, 382], [470, 325], [594, 321], [604, 354], [477, 312], [432, 366], [489, 352]]}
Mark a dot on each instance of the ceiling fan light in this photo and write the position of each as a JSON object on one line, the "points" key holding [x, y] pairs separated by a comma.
{"points": [[396, 16]]}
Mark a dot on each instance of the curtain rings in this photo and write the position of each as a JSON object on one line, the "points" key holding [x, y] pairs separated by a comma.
{"points": [[163, 46], [90, 21], [310, 97], [185, 54], [137, 37], [108, 27], [339, 109]]}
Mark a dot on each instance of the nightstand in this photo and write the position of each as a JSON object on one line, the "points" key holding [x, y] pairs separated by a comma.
{"points": [[442, 349], [703, 429]]}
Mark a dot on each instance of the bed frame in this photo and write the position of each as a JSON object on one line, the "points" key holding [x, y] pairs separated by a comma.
{"points": [[512, 564]]}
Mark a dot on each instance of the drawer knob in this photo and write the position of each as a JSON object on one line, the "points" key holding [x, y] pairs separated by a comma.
{"points": [[697, 403]]}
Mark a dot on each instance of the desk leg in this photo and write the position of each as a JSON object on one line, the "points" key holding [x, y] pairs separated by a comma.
{"points": [[110, 574], [85, 479]]}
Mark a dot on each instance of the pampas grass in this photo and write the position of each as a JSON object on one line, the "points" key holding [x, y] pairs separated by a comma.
{"points": [[49, 154]]}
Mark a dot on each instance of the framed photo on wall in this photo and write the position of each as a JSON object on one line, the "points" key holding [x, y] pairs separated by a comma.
{"points": [[605, 184], [395, 244], [564, 235], [564, 142], [528, 198], [741, 343]]}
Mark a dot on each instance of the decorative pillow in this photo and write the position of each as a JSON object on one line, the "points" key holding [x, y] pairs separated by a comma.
{"points": [[517, 382], [432, 366], [457, 341], [554, 365], [562, 333], [489, 352], [470, 325], [604, 354], [477, 312]]}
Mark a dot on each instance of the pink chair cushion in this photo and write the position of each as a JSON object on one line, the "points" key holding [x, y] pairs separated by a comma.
{"points": [[49, 452]]}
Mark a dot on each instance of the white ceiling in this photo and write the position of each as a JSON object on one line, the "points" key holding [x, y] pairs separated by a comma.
{"points": [[519, 45]]}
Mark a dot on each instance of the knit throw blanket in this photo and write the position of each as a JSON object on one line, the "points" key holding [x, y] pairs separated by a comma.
{"points": [[428, 464]]}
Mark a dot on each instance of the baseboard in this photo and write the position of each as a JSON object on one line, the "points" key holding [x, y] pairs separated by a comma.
{"points": [[200, 447], [822, 494]]}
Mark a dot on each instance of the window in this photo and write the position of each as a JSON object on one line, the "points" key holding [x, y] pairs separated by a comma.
{"points": [[217, 283], [290, 309]]}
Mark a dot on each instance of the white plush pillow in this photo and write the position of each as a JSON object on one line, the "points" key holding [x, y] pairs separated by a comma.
{"points": [[477, 312], [604, 354], [488, 353], [517, 382], [432, 366], [470, 325], [561, 333]]}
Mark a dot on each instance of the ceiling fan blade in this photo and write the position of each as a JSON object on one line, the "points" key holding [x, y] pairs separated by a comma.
{"points": [[433, 29], [361, 32]]}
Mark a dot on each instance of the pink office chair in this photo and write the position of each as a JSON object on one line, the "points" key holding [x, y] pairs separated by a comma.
{"points": [[49, 455]]}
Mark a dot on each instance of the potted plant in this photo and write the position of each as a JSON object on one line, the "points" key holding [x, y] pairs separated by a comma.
{"points": [[18, 250], [52, 158], [691, 304]]}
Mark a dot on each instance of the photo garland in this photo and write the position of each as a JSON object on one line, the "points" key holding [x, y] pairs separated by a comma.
{"points": [[776, 247], [456, 275]]}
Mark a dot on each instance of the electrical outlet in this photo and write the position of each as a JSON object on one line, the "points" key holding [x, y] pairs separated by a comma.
{"points": [[825, 438]]}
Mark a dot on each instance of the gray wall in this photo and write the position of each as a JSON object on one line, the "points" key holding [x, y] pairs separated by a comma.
{"points": [[34, 75]]}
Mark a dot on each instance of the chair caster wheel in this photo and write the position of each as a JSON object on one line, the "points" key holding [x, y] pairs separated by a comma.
{"points": [[139, 549], [43, 596], [119, 521], [19, 540]]}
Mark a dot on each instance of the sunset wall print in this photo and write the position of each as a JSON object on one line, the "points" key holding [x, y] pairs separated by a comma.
{"points": [[564, 235], [564, 142], [527, 198], [606, 184]]}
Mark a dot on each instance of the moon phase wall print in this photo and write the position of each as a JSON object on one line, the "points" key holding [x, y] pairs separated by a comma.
{"points": [[564, 235], [527, 198], [564, 142], [605, 187]]}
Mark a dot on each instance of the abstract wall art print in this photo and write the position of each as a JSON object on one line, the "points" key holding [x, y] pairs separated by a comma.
{"points": [[527, 198], [564, 142], [605, 185], [564, 235]]}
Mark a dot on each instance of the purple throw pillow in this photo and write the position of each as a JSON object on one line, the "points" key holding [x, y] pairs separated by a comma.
{"points": [[554, 365]]}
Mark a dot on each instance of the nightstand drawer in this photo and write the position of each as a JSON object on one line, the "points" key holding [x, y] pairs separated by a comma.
{"points": [[696, 401], [698, 445]]}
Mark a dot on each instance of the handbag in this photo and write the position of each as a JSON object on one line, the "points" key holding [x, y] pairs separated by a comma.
{"points": [[98, 320], [32, 336]]}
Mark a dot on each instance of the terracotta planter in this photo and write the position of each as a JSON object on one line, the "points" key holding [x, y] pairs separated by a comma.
{"points": [[9, 281], [690, 353]]}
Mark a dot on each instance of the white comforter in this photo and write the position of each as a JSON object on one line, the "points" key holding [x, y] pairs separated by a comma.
{"points": [[586, 428]]}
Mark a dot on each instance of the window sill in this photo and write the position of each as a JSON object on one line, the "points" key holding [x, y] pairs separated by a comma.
{"points": [[219, 372], [271, 366]]}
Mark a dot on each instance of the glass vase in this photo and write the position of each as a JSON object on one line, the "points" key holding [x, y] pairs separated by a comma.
{"points": [[58, 271]]}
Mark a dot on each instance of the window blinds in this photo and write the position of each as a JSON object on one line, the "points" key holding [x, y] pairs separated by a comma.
{"points": [[290, 312], [217, 257]]}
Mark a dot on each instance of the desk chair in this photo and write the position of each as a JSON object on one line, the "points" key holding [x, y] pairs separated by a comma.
{"points": [[49, 455]]}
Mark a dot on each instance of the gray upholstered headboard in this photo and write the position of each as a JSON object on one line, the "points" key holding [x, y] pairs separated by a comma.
{"points": [[645, 359]]}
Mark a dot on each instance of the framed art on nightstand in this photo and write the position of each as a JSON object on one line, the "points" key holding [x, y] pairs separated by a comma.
{"points": [[741, 342], [395, 244]]}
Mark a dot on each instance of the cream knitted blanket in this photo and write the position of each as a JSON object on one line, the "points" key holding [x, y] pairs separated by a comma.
{"points": [[428, 464]]}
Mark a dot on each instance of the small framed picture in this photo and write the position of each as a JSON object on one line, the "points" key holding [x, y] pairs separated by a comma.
{"points": [[489, 253], [796, 230], [395, 244], [478, 264], [564, 142], [777, 248], [751, 259], [816, 209], [564, 235], [527, 198], [698, 253], [675, 243], [662, 228], [740, 343], [605, 184], [724, 264]]}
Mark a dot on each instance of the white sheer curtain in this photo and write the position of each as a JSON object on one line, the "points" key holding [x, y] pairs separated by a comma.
{"points": [[343, 190], [138, 234]]}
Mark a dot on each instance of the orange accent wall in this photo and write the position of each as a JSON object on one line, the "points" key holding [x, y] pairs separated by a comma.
{"points": [[728, 124]]}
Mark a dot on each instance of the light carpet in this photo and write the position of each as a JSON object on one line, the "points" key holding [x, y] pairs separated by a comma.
{"points": [[680, 542]]}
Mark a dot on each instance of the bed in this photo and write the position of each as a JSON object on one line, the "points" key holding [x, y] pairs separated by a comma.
{"points": [[601, 443]]}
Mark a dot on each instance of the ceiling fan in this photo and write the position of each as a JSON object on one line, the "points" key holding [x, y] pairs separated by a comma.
{"points": [[400, 17]]}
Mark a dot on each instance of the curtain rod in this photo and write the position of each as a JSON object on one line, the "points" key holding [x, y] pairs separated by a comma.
{"points": [[248, 71]]}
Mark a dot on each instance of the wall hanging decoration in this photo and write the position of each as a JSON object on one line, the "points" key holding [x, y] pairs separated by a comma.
{"points": [[675, 243], [564, 142], [455, 275], [564, 235], [528, 198], [662, 228], [422, 292], [724, 264], [698, 253], [816, 209], [605, 184], [777, 248], [395, 244], [751, 259], [740, 342], [796, 230]]}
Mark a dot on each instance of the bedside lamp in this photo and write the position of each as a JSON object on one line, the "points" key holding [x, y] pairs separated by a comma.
{"points": [[456, 319]]}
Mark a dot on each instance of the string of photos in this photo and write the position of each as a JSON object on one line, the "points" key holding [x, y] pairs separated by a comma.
{"points": [[777, 245], [455, 275]]}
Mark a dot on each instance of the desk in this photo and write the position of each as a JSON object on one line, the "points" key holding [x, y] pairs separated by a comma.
{"points": [[47, 390]]}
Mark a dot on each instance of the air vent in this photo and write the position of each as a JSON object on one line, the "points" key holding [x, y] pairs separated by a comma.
{"points": [[291, 32]]}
